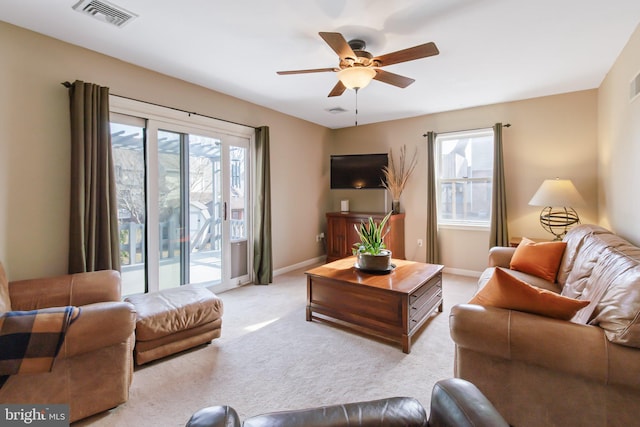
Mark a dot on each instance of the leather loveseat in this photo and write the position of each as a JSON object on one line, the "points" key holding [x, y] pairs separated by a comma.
{"points": [[539, 370], [94, 366], [454, 403]]}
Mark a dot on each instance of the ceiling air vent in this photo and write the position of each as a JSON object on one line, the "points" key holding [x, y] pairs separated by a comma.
{"points": [[105, 12], [634, 87]]}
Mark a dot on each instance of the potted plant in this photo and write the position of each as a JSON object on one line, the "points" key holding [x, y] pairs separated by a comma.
{"points": [[370, 250], [396, 176]]}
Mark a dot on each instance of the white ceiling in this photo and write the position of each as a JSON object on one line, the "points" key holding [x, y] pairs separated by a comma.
{"points": [[490, 50]]}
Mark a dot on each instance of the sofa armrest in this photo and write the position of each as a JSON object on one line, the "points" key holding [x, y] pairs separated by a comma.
{"points": [[500, 256], [215, 416], [72, 289], [99, 325], [558, 345], [458, 403]]}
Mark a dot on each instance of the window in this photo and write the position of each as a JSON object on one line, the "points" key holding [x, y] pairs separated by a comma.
{"points": [[464, 171]]}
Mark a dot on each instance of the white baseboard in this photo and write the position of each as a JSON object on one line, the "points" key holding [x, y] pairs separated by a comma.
{"points": [[307, 263], [462, 272]]}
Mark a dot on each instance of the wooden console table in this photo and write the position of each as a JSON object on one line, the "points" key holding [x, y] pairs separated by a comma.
{"points": [[392, 306], [341, 235]]}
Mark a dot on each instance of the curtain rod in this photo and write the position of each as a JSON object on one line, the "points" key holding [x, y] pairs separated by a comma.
{"points": [[507, 125], [68, 85]]}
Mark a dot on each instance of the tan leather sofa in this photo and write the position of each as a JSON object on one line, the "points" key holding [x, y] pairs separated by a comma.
{"points": [[94, 368], [540, 371]]}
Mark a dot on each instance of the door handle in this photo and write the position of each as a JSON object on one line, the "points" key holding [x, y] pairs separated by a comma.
{"points": [[224, 211]]}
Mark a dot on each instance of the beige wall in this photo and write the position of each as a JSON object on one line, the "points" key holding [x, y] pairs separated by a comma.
{"points": [[34, 150], [550, 136], [619, 145]]}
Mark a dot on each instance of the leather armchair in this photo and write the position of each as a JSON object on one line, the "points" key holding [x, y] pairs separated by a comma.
{"points": [[454, 403], [94, 367]]}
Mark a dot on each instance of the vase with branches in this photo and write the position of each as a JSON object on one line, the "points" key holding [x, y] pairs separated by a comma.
{"points": [[396, 175]]}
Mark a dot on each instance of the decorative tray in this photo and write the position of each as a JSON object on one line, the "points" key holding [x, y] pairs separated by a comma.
{"points": [[364, 270]]}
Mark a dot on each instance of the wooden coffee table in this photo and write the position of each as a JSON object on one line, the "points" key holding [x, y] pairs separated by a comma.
{"points": [[392, 306]]}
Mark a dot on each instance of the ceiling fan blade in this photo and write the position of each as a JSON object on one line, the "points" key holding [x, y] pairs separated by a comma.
{"points": [[338, 89], [314, 70], [409, 54], [340, 46], [392, 78]]}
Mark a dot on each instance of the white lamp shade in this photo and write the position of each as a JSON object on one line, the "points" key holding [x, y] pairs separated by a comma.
{"points": [[557, 193], [356, 77]]}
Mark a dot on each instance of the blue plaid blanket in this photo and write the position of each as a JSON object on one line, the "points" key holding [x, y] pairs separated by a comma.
{"points": [[31, 340]]}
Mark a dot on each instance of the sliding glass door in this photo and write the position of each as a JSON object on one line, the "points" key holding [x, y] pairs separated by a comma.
{"points": [[206, 227], [170, 196], [191, 220], [237, 212], [128, 143]]}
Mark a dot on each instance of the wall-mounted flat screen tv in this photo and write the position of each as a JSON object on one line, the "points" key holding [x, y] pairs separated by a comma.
{"points": [[359, 171]]}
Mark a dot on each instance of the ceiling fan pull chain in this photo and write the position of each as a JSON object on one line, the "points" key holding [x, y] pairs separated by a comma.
{"points": [[356, 89]]}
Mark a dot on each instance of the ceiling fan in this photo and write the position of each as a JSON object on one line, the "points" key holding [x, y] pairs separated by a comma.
{"points": [[357, 67]]}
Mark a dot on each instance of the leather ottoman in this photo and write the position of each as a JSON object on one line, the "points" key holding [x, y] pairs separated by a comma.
{"points": [[173, 320]]}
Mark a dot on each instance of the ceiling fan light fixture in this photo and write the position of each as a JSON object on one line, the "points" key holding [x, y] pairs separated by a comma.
{"points": [[356, 77], [358, 67]]}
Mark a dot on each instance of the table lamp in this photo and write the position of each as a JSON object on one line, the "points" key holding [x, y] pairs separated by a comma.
{"points": [[558, 196]]}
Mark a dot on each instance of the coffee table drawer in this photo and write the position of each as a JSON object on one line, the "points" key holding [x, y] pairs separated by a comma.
{"points": [[418, 312], [426, 291], [424, 300]]}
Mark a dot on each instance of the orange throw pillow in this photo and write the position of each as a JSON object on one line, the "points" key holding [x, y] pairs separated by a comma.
{"points": [[506, 291], [540, 259]]}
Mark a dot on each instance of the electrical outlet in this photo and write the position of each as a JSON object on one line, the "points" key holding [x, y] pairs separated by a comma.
{"points": [[420, 243]]}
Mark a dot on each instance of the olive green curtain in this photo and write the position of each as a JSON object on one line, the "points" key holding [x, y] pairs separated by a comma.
{"points": [[432, 247], [93, 227], [498, 235], [262, 251]]}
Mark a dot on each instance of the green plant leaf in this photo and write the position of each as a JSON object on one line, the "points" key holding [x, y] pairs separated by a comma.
{"points": [[371, 236]]}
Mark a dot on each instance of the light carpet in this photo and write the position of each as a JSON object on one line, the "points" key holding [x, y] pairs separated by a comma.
{"points": [[269, 358]]}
